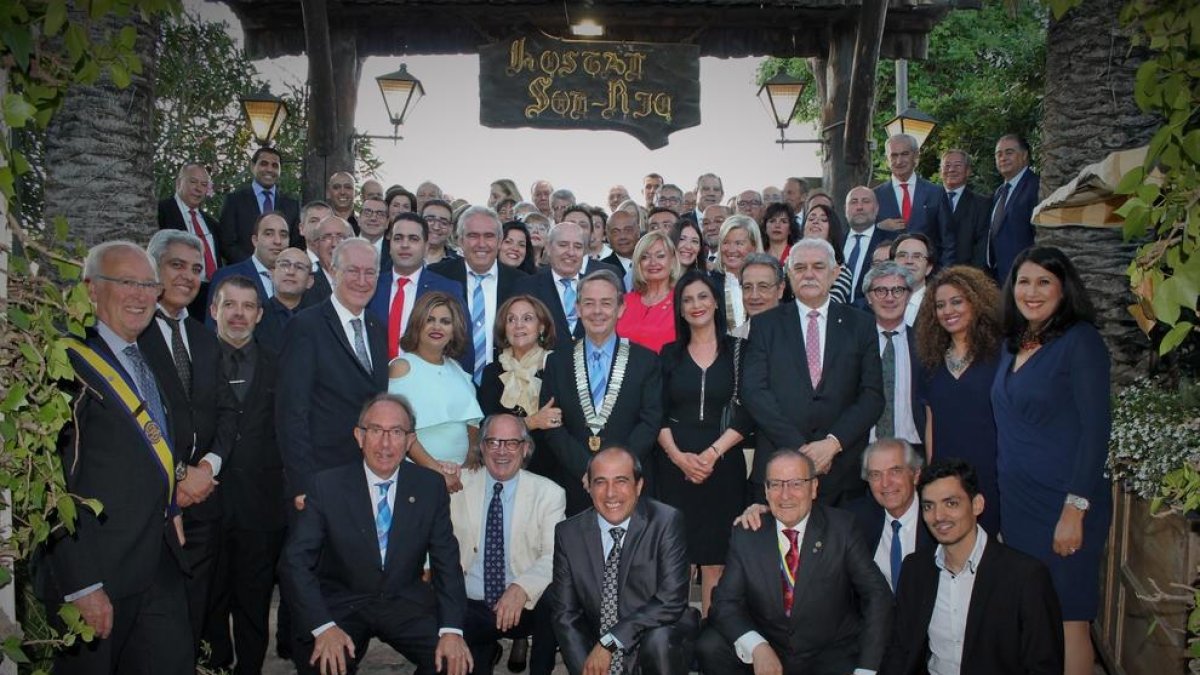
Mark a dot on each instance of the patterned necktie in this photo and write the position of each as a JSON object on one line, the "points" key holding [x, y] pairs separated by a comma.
{"points": [[569, 301], [360, 344], [906, 203], [493, 549], [383, 520], [268, 203], [179, 353], [792, 559], [812, 348], [599, 378], [478, 331], [897, 555], [147, 386], [609, 595], [997, 221], [886, 426], [210, 263], [852, 262], [395, 314], [952, 195]]}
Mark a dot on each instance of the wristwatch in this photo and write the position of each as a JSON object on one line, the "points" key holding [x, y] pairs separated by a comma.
{"points": [[181, 470], [1078, 502], [609, 642]]}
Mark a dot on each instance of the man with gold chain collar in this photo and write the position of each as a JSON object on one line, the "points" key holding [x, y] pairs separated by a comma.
{"points": [[609, 389]]}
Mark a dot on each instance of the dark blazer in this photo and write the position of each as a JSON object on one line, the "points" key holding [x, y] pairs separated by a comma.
{"points": [[930, 216], [541, 286], [106, 457], [652, 582], [271, 329], [614, 264], [971, 218], [869, 518], [590, 265], [1015, 233], [633, 424], [170, 217], [506, 282], [1013, 621], [213, 407], [380, 304], [330, 564], [252, 480], [245, 268], [778, 393], [839, 596], [319, 292], [320, 391], [238, 214], [916, 377], [878, 237]]}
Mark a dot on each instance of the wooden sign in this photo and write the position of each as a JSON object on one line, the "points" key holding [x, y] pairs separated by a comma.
{"points": [[643, 89]]}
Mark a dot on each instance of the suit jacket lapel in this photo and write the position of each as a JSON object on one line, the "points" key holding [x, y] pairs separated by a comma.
{"points": [[833, 329], [361, 514], [811, 556], [402, 509], [767, 565], [637, 528], [339, 334], [985, 585], [595, 549], [794, 335]]}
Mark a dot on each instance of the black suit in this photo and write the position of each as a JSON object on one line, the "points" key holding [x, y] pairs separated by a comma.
{"points": [[331, 568], [777, 391], [653, 618], [1015, 231], [271, 329], [864, 263], [254, 504], [1014, 624], [238, 213], [542, 287], [869, 517], [971, 216], [841, 612], [171, 218], [321, 389], [930, 216], [213, 427], [132, 549], [320, 290], [633, 424]]}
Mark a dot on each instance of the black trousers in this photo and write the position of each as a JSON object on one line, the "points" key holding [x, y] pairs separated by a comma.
{"points": [[717, 657], [150, 633], [201, 551], [415, 638], [480, 632], [241, 593]]}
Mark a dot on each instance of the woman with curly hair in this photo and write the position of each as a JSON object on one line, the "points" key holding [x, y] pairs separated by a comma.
{"points": [[958, 342]]}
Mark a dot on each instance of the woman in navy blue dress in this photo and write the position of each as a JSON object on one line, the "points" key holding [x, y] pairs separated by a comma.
{"points": [[1053, 418], [958, 342]]}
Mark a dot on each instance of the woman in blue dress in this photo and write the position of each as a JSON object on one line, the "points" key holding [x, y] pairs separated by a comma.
{"points": [[440, 392], [958, 343], [1053, 418]]}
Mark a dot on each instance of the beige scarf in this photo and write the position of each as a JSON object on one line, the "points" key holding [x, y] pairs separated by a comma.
{"points": [[521, 384]]}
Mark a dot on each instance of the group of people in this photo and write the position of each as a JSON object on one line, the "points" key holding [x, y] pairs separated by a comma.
{"points": [[441, 424]]}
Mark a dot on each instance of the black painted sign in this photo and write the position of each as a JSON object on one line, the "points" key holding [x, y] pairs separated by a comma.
{"points": [[643, 89]]}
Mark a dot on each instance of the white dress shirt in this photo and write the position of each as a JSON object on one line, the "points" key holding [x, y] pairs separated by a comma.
{"points": [[1012, 187], [410, 294], [910, 520], [264, 276], [733, 296], [822, 327], [955, 196], [912, 191], [901, 395], [864, 254], [490, 284], [213, 459], [344, 316], [948, 626], [187, 225], [914, 304]]}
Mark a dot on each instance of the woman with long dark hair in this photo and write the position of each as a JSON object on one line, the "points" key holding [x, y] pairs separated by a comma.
{"points": [[779, 230], [820, 222], [516, 248]]}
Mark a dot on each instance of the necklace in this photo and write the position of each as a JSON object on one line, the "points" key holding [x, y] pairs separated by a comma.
{"points": [[1031, 339], [956, 365]]}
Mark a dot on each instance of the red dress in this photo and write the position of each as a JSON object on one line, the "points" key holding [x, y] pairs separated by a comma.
{"points": [[649, 326]]}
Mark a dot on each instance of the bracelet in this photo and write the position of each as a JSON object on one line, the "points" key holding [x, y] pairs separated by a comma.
{"points": [[714, 449]]}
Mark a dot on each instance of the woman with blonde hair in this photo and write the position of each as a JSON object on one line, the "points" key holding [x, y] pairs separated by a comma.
{"points": [[503, 188], [649, 318], [739, 237]]}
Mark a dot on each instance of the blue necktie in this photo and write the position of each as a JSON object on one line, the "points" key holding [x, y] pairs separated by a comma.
{"points": [[493, 549], [478, 331], [148, 386], [852, 261], [897, 555], [383, 520], [599, 378], [569, 303]]}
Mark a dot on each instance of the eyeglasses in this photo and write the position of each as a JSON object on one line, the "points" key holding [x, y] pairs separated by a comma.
{"points": [[444, 222], [748, 204], [333, 236], [793, 484], [761, 288], [131, 284], [374, 212], [360, 272], [894, 472], [662, 200], [506, 443], [284, 266], [377, 433], [882, 292], [910, 255]]}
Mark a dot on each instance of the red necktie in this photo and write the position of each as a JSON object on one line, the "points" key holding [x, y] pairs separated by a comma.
{"points": [[792, 560], [906, 205], [394, 316], [210, 263]]}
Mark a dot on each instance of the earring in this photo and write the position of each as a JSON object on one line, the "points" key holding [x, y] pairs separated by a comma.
{"points": [[541, 338]]}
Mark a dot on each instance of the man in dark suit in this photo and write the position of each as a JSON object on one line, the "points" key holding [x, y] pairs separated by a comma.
{"points": [[1011, 219], [339, 193], [327, 236], [969, 211], [997, 613], [888, 286], [583, 218], [181, 211], [620, 588], [183, 345], [812, 376], [243, 206], [623, 235], [800, 594], [354, 558], [252, 497], [863, 238], [123, 572], [290, 278], [403, 279], [909, 203], [334, 358], [270, 238], [558, 285], [608, 388], [486, 283]]}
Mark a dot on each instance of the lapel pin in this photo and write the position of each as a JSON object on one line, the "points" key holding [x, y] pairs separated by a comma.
{"points": [[817, 547], [412, 500]]}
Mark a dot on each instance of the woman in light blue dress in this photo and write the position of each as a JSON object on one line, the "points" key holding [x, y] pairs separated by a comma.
{"points": [[441, 393]]}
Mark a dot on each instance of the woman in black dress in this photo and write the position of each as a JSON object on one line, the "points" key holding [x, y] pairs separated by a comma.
{"points": [[701, 469]]}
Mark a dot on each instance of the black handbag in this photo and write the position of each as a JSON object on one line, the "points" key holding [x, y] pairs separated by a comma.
{"points": [[729, 412]]}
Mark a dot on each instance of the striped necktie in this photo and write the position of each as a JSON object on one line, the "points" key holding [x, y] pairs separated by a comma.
{"points": [[383, 519], [478, 330]]}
